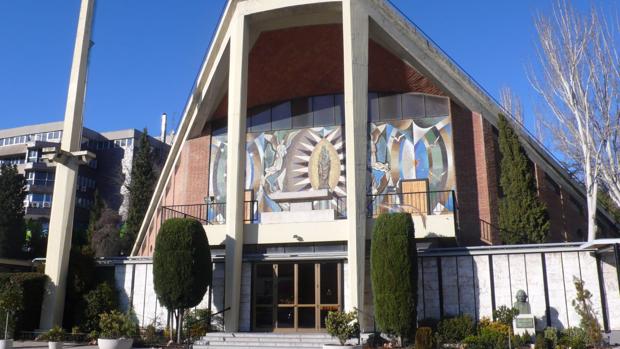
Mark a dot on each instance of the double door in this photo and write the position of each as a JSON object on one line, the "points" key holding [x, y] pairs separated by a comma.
{"points": [[289, 297]]}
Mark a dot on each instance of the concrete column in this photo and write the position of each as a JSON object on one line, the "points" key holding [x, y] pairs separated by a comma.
{"points": [[355, 40], [235, 172], [61, 218]]}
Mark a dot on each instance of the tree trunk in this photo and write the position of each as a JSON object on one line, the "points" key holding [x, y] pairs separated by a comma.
{"points": [[591, 201], [170, 326], [6, 326], [180, 326]]}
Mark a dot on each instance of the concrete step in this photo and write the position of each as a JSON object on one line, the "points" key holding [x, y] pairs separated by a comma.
{"points": [[264, 340]]}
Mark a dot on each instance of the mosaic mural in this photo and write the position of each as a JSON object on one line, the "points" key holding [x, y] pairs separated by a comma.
{"points": [[285, 161], [411, 149]]}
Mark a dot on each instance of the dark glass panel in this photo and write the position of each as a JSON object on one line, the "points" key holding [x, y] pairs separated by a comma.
{"points": [[302, 115], [306, 317], [323, 110], [329, 283], [281, 117], [306, 286], [286, 317], [373, 107], [389, 107], [339, 110], [264, 284], [260, 119], [436, 106], [264, 317], [286, 287], [413, 105]]}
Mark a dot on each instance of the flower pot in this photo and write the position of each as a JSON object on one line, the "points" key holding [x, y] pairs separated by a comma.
{"points": [[54, 345], [114, 343], [6, 343], [338, 346]]}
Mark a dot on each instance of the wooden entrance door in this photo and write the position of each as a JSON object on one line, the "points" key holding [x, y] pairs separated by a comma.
{"points": [[295, 297]]}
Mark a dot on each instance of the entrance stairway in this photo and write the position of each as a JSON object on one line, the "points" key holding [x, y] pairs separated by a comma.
{"points": [[221, 340]]}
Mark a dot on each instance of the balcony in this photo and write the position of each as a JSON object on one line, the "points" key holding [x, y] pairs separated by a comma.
{"points": [[208, 214], [433, 212]]}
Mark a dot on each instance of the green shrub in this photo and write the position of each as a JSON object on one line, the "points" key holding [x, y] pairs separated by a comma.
{"points": [[574, 337], [454, 330], [424, 338], [394, 274], [197, 323], [101, 300], [342, 325], [115, 325], [10, 302], [522, 340], [588, 320], [541, 342], [32, 287], [551, 336], [490, 337], [56, 334], [505, 315]]}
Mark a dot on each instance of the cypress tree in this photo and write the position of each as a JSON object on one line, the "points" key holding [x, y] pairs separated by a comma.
{"points": [[140, 188], [522, 216], [12, 225], [394, 274]]}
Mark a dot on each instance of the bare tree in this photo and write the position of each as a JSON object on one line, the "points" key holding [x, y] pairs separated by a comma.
{"points": [[578, 79], [511, 103]]}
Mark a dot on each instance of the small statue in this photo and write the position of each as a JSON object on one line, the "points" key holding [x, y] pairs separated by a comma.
{"points": [[324, 168], [522, 305]]}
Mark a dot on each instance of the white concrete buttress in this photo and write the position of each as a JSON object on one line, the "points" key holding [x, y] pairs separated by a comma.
{"points": [[355, 40], [235, 173], [61, 218]]}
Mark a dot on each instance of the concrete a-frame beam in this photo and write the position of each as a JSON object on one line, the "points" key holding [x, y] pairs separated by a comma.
{"points": [[235, 171], [67, 162], [355, 42]]}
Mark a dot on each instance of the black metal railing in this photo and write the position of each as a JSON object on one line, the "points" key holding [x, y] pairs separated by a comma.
{"points": [[416, 203], [209, 214]]}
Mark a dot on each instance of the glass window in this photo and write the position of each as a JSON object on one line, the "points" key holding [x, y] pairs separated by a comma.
{"points": [[339, 109], [281, 117], [260, 120], [373, 107], [300, 109], [323, 110], [389, 107], [413, 105], [129, 142], [436, 106]]}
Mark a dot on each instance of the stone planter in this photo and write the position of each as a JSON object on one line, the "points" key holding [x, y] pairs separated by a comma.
{"points": [[6, 343], [114, 343], [338, 346], [54, 345]]}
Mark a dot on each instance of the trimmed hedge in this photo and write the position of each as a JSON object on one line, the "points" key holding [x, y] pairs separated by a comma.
{"points": [[32, 286], [394, 274]]}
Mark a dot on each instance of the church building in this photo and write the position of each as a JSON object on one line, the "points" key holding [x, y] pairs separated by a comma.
{"points": [[308, 119]]}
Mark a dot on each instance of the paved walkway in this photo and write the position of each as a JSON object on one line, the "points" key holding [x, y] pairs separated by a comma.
{"points": [[39, 345]]}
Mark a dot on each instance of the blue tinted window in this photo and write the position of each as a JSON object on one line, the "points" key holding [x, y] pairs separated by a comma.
{"points": [[281, 117], [323, 110]]}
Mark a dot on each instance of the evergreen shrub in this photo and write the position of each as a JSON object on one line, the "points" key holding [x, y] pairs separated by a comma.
{"points": [[32, 288], [394, 274], [455, 329]]}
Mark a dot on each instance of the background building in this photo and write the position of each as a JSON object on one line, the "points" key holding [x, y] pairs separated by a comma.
{"points": [[109, 173]]}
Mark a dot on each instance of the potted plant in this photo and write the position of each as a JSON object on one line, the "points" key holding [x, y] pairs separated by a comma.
{"points": [[54, 337], [10, 303], [116, 331], [343, 326]]}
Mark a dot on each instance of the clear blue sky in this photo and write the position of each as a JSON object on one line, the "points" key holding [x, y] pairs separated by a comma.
{"points": [[147, 53]]}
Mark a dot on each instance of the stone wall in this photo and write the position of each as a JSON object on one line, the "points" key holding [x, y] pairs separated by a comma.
{"points": [[472, 281]]}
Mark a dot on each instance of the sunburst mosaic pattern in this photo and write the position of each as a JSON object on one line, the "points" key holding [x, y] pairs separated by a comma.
{"points": [[285, 161]]}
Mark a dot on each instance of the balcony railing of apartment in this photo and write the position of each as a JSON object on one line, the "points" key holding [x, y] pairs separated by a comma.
{"points": [[416, 203], [207, 214]]}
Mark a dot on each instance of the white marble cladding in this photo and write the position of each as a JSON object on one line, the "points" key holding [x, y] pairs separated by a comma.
{"points": [[466, 285]]}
